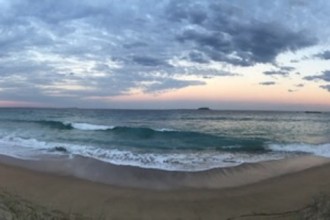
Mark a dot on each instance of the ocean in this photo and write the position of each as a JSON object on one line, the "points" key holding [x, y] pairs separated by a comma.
{"points": [[176, 140]]}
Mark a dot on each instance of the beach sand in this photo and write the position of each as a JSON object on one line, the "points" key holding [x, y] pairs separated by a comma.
{"points": [[232, 193]]}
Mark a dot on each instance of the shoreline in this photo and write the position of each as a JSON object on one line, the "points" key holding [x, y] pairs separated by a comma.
{"points": [[135, 177], [69, 194]]}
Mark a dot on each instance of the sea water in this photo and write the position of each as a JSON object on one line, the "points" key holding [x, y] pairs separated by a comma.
{"points": [[183, 140]]}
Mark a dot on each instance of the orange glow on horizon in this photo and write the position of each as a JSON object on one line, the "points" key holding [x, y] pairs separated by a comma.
{"points": [[224, 90], [6, 103]]}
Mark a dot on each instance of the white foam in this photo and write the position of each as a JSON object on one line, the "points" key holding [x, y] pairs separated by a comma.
{"points": [[164, 129], [90, 127], [318, 150], [17, 147], [94, 127], [180, 160], [165, 160]]}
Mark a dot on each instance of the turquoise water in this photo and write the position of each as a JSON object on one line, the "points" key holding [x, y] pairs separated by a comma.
{"points": [[164, 139]]}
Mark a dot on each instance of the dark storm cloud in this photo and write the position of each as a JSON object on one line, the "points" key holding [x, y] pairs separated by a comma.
{"points": [[324, 55], [325, 76], [267, 83]]}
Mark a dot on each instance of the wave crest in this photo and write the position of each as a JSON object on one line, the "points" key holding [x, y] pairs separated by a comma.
{"points": [[90, 127], [178, 160], [83, 126]]}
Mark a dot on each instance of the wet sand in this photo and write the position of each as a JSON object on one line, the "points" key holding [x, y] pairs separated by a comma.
{"points": [[269, 187]]}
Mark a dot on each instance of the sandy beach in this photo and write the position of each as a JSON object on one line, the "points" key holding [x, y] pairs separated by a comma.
{"points": [[280, 187]]}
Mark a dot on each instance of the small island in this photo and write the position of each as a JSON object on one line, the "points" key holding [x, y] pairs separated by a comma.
{"points": [[204, 108]]}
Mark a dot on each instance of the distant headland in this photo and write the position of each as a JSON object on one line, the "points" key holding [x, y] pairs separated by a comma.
{"points": [[313, 112]]}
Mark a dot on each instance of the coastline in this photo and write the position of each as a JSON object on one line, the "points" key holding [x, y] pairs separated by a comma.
{"points": [[278, 192], [144, 178]]}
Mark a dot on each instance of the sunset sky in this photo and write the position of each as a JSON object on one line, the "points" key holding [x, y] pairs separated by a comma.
{"points": [[239, 54]]}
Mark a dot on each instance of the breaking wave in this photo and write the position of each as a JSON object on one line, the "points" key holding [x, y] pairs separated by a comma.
{"points": [[179, 160]]}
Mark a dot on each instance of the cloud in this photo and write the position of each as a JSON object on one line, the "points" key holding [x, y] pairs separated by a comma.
{"points": [[197, 57], [324, 55], [193, 11], [282, 71], [326, 87], [325, 76], [267, 83], [135, 45], [275, 72], [149, 61], [225, 38], [171, 84], [300, 85], [287, 68], [96, 48], [294, 61]]}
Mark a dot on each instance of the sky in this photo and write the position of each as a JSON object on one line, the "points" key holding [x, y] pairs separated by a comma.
{"points": [[159, 54]]}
